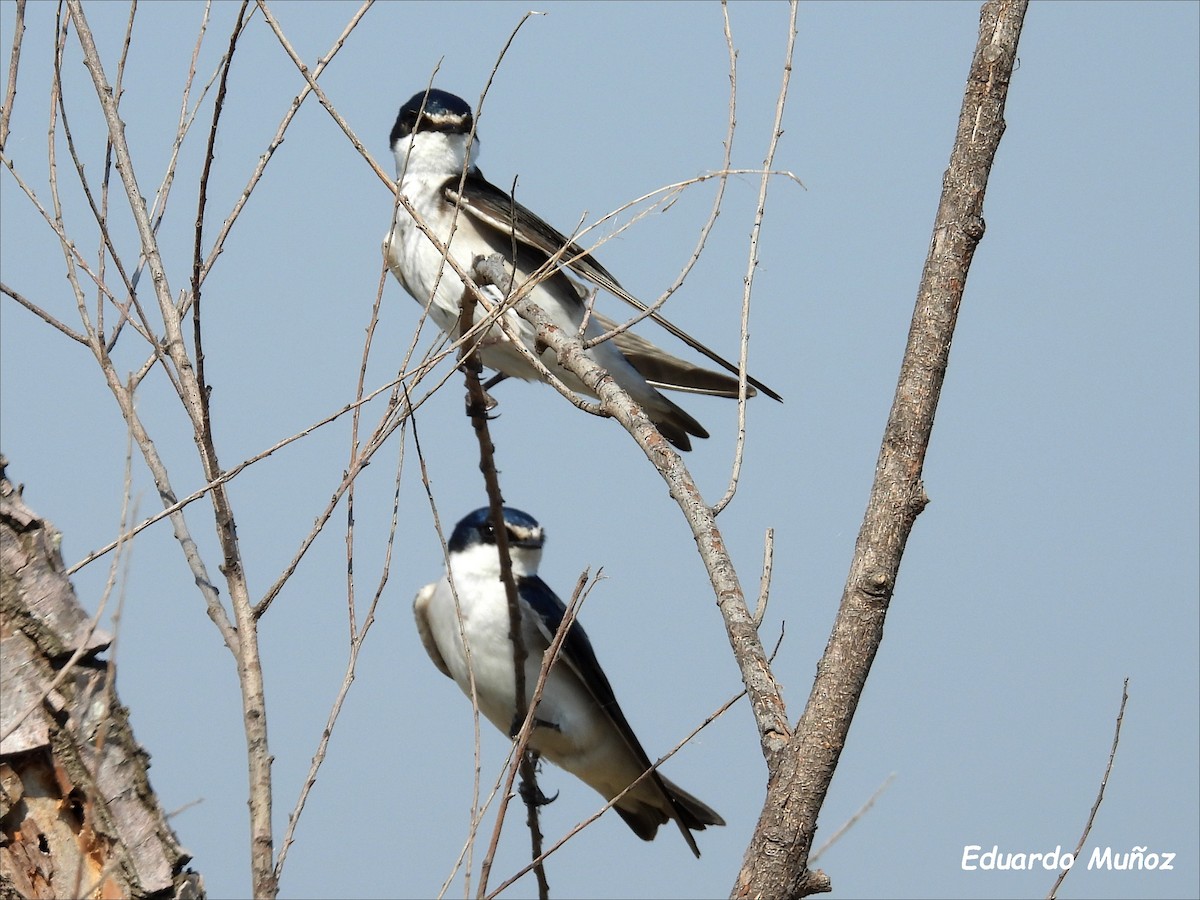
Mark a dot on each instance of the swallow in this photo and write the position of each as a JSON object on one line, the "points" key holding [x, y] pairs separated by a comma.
{"points": [[435, 148], [578, 724]]}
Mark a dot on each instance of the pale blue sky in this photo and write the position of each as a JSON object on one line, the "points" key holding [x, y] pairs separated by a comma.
{"points": [[1058, 554]]}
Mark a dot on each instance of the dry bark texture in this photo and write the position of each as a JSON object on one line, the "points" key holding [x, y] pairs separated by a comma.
{"points": [[78, 817], [800, 772]]}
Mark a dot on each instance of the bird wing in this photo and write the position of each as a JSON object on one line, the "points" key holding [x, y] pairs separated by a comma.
{"points": [[421, 613], [489, 204], [578, 655], [667, 372]]}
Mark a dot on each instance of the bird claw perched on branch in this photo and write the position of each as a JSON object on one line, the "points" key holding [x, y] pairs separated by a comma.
{"points": [[532, 795]]}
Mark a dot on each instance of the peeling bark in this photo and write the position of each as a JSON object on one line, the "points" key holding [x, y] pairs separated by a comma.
{"points": [[78, 817]]}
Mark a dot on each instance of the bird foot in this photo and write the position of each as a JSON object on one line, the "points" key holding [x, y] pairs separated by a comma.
{"points": [[515, 727], [493, 381], [533, 796], [481, 408]]}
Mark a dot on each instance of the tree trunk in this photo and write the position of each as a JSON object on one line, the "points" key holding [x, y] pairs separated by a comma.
{"points": [[799, 774], [78, 817]]}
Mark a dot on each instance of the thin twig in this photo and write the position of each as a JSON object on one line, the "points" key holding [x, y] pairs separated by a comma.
{"points": [[752, 261], [1087, 828], [477, 408], [66, 246], [102, 217], [121, 562], [43, 315], [477, 811], [228, 475], [853, 820], [764, 582], [355, 421], [14, 62], [356, 642], [205, 423], [525, 732], [712, 717], [277, 140]]}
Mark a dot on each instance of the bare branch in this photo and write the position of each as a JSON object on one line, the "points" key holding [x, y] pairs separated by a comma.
{"points": [[802, 768], [248, 660], [764, 583], [205, 413], [43, 315], [752, 263], [766, 699], [14, 62], [477, 408], [687, 739], [1087, 828]]}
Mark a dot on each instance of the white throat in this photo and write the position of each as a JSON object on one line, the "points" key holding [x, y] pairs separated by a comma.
{"points": [[483, 561], [432, 154]]}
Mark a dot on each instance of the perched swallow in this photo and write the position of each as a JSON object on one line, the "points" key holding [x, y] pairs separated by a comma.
{"points": [[578, 724], [433, 145]]}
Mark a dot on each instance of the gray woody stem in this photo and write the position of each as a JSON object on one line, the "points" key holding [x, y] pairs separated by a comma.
{"points": [[776, 862], [245, 646], [765, 699]]}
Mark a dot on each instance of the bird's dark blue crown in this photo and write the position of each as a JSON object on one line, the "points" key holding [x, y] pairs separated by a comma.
{"points": [[476, 528], [443, 111]]}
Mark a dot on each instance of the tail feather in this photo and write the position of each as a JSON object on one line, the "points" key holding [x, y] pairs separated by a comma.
{"points": [[665, 370], [674, 423], [671, 373], [693, 813], [689, 813]]}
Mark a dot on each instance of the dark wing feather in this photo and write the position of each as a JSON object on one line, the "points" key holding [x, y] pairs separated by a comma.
{"points": [[663, 371], [577, 653], [488, 203]]}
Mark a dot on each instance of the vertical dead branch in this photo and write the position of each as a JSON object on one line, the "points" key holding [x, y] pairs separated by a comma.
{"points": [[245, 647], [14, 62], [764, 182], [776, 862], [477, 408], [198, 231]]}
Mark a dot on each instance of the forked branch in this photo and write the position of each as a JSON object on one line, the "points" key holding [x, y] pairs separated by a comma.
{"points": [[800, 771]]}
